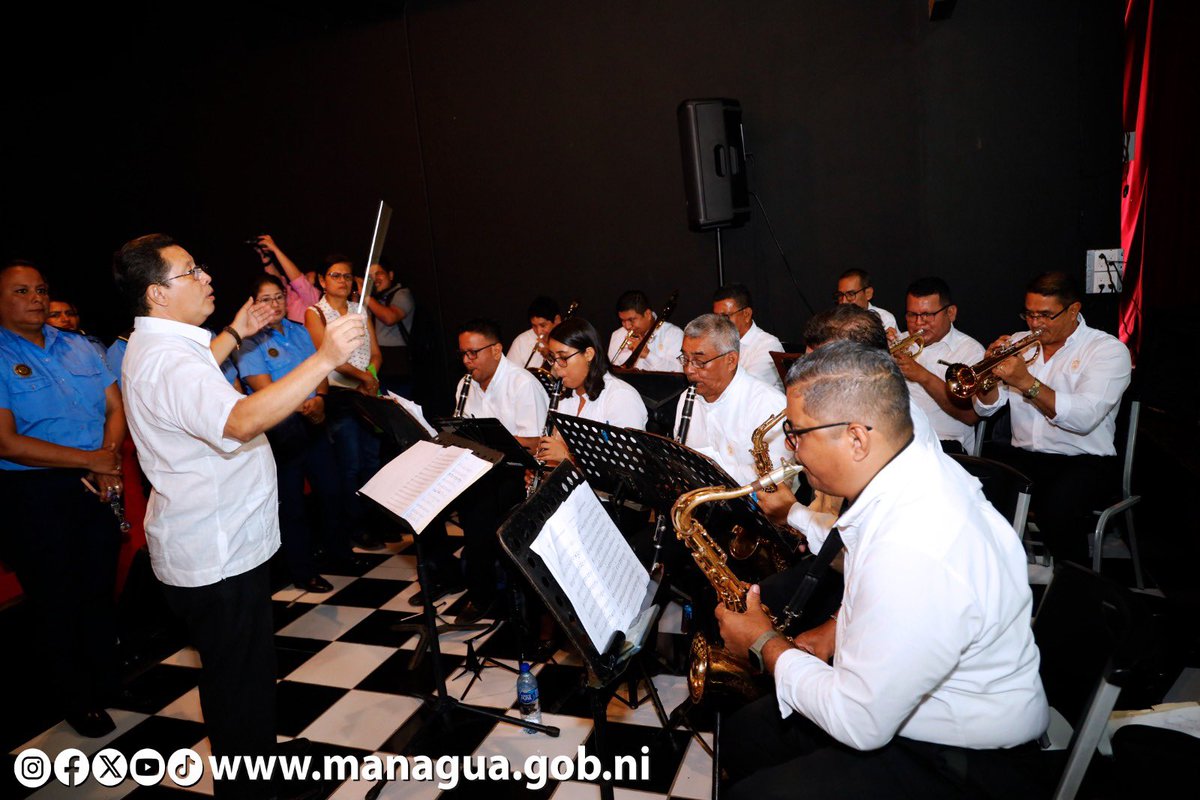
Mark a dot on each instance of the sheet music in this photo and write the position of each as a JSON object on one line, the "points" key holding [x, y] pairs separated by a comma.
{"points": [[415, 410], [421, 481], [594, 565]]}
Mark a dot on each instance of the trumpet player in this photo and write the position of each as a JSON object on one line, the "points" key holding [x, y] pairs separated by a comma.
{"points": [[934, 688], [1063, 403], [528, 349], [930, 313], [637, 322]]}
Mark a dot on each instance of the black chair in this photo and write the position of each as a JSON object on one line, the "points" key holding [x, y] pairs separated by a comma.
{"points": [[1004, 487], [1090, 631], [1125, 440]]}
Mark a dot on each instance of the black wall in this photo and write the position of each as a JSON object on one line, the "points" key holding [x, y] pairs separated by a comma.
{"points": [[531, 147]]}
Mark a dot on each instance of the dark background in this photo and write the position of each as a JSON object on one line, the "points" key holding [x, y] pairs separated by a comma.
{"points": [[532, 147]]}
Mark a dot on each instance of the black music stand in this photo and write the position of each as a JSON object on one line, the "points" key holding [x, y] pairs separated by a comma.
{"points": [[439, 706], [489, 432], [605, 668], [660, 392]]}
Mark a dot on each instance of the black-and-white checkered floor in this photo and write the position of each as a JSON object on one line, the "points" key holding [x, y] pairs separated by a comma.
{"points": [[345, 684]]}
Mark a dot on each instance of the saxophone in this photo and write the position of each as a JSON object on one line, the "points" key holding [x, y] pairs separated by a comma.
{"points": [[741, 545], [714, 664]]}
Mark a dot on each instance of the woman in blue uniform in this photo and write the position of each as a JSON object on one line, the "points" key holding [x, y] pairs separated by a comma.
{"points": [[61, 429]]}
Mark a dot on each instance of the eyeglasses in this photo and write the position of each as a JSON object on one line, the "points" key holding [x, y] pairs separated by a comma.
{"points": [[924, 315], [471, 355], [850, 295], [729, 314], [1034, 316], [274, 298], [339, 276], [194, 272], [697, 363], [793, 434], [561, 361]]}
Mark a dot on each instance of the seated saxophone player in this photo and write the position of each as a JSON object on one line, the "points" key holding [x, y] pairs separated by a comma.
{"points": [[528, 349], [497, 388], [934, 688], [930, 313], [1064, 410], [733, 302], [590, 390], [637, 322]]}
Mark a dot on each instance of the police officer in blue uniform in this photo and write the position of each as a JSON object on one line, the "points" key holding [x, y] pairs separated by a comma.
{"points": [[61, 429], [299, 443]]}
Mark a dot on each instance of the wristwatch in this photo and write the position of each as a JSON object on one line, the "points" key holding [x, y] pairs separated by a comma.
{"points": [[1033, 389], [756, 657]]}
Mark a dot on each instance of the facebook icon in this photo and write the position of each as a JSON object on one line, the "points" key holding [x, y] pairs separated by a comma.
{"points": [[71, 767]]}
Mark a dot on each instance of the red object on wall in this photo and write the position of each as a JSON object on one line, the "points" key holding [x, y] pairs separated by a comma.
{"points": [[1134, 113]]}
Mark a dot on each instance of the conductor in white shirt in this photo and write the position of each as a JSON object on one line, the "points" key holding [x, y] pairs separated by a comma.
{"points": [[1063, 407], [854, 287], [930, 312], [212, 520], [734, 304], [638, 321], [933, 690]]}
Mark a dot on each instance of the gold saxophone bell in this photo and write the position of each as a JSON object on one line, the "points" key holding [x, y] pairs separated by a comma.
{"points": [[715, 666], [964, 381], [915, 339]]}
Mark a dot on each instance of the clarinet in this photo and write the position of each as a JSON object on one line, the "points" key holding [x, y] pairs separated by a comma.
{"points": [[555, 397], [685, 419], [463, 391]]}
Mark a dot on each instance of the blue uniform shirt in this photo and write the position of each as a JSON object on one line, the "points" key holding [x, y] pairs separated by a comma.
{"points": [[56, 392], [275, 353], [114, 357]]}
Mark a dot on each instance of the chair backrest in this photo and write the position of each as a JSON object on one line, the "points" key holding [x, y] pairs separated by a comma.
{"points": [[1090, 631], [1005, 488], [1125, 437]]}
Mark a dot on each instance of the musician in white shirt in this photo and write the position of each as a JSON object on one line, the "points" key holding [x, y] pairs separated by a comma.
{"points": [[590, 390], [930, 312], [854, 287], [1064, 409], [734, 304], [638, 321], [730, 403], [933, 690], [528, 348]]}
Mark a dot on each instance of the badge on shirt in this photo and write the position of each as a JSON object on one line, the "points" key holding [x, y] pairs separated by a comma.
{"points": [[272, 352], [1075, 365], [23, 370]]}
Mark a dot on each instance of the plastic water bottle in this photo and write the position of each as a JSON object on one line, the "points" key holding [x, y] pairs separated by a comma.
{"points": [[527, 697]]}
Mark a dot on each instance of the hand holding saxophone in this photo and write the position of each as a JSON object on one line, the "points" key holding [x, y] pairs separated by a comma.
{"points": [[740, 630]]}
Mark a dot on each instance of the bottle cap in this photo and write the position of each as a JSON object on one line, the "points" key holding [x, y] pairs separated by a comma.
{"points": [[524, 667]]}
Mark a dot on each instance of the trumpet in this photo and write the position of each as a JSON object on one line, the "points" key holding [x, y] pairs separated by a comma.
{"points": [[915, 339], [964, 381]]}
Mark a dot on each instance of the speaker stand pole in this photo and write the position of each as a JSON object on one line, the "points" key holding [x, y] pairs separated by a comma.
{"points": [[720, 261]]}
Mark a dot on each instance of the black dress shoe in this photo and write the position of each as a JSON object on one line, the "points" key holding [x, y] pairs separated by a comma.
{"points": [[471, 613], [93, 724], [367, 541], [316, 584], [437, 592]]}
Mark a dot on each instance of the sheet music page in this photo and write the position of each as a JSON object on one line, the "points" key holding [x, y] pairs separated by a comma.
{"points": [[421, 481], [417, 412], [594, 565]]}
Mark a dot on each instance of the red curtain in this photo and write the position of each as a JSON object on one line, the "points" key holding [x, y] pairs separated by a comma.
{"points": [[1135, 104]]}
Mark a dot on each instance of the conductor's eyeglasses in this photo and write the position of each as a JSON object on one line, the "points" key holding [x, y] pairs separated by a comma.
{"points": [[194, 272], [471, 355], [696, 363], [793, 434]]}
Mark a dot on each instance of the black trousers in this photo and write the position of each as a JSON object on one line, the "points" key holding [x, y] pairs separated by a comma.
{"points": [[62, 543], [1066, 490], [230, 624], [770, 757]]}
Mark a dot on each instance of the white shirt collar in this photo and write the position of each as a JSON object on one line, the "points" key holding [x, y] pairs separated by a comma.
{"points": [[894, 473], [170, 326], [732, 390], [500, 375]]}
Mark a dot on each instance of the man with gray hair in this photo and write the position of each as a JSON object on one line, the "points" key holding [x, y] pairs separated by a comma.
{"points": [[933, 690], [730, 403]]}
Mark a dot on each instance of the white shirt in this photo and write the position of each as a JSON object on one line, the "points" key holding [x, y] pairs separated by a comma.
{"points": [[513, 396], [1088, 374], [954, 348], [213, 513], [933, 637], [754, 355], [521, 348], [360, 358], [885, 317], [619, 404], [722, 429], [815, 525], [662, 352]]}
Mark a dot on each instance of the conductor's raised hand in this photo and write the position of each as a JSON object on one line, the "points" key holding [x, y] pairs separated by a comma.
{"points": [[342, 337], [251, 318]]}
